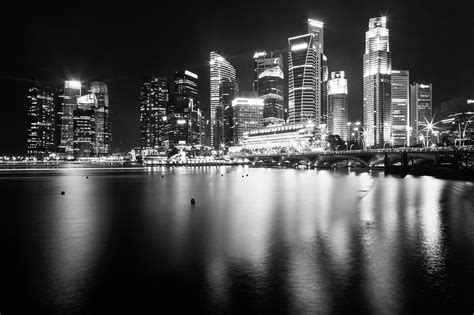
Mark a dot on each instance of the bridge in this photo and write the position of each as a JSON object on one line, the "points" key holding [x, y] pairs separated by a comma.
{"points": [[453, 157]]}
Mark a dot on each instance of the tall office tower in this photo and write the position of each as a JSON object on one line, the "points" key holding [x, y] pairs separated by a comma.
{"points": [[400, 106], [421, 104], [324, 91], [103, 122], [338, 105], [154, 99], [270, 89], [84, 123], [228, 92], [304, 74], [262, 62], [220, 71], [377, 86], [183, 125], [72, 91], [41, 121], [247, 115]]}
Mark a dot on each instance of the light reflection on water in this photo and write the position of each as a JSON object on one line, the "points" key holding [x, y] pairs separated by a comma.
{"points": [[277, 239]]}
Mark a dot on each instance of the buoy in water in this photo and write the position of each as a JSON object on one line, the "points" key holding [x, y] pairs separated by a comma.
{"points": [[222, 174], [193, 201], [247, 175], [62, 192], [87, 177]]}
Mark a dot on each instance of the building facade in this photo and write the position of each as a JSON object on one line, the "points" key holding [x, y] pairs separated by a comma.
{"points": [[247, 116], [271, 89], [338, 105], [72, 91], [421, 105], [400, 80], [305, 74], [377, 85], [41, 121], [84, 122], [183, 124], [223, 88], [103, 122], [154, 100]]}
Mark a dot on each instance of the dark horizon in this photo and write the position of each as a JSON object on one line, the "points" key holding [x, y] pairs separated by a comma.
{"points": [[119, 45]]}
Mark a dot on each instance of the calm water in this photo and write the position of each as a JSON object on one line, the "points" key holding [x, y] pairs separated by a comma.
{"points": [[275, 241]]}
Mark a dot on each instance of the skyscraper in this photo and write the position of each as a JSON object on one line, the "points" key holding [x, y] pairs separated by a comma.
{"points": [[154, 100], [270, 89], [72, 91], [41, 121], [184, 117], [324, 91], [377, 85], [247, 115], [421, 102], [338, 105], [304, 74], [102, 119], [262, 62], [223, 84], [84, 122], [400, 106]]}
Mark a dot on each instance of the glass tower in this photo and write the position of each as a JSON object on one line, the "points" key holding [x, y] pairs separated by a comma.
{"points": [[270, 89], [247, 115], [338, 105], [305, 74], [102, 119], [421, 102], [222, 90], [400, 106], [154, 100], [84, 122], [72, 91], [377, 85], [41, 121]]}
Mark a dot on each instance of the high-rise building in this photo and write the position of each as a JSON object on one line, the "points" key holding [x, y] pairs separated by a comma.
{"points": [[338, 105], [102, 119], [72, 91], [270, 89], [183, 122], [304, 74], [421, 104], [377, 85], [84, 122], [247, 115], [400, 106], [154, 100], [262, 62], [41, 121], [324, 91], [223, 89]]}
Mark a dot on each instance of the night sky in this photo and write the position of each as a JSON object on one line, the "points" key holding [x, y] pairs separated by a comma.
{"points": [[119, 44]]}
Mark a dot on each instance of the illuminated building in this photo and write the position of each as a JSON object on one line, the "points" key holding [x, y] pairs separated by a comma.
{"points": [[41, 121], [263, 62], [283, 135], [304, 74], [85, 126], [400, 106], [228, 92], [337, 105], [421, 102], [102, 119], [223, 87], [247, 116], [184, 118], [271, 91], [324, 91], [72, 91], [154, 99], [457, 118], [377, 86]]}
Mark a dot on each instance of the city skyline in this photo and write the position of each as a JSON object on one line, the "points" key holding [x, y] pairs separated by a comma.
{"points": [[337, 34]]}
